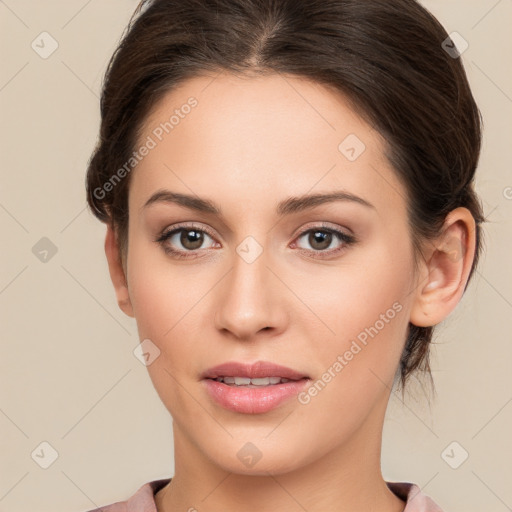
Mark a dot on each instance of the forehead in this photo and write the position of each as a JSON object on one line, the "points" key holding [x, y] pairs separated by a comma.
{"points": [[261, 136], [256, 108]]}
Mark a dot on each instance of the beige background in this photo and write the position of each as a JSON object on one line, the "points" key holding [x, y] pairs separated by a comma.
{"points": [[68, 373]]}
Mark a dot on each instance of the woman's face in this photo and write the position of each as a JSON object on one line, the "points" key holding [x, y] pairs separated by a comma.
{"points": [[266, 278]]}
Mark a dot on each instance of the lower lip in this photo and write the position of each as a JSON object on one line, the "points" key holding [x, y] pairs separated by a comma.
{"points": [[253, 400]]}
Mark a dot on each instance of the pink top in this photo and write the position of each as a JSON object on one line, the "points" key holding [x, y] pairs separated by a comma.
{"points": [[143, 500]]}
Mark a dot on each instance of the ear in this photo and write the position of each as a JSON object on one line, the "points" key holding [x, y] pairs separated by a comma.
{"points": [[117, 274], [448, 261]]}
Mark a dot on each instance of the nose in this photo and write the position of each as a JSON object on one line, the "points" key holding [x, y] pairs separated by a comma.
{"points": [[250, 300]]}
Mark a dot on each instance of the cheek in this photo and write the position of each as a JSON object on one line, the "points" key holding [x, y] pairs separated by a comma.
{"points": [[365, 286], [161, 293], [364, 307], [166, 308], [169, 304], [155, 304], [356, 366]]}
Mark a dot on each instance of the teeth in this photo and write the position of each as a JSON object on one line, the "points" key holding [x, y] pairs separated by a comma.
{"points": [[241, 381], [246, 381]]}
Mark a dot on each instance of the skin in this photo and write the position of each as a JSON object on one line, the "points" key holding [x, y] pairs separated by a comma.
{"points": [[249, 144]]}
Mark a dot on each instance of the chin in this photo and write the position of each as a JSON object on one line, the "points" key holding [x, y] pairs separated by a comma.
{"points": [[257, 459]]}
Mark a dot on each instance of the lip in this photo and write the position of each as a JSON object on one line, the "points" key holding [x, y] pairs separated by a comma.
{"points": [[253, 371], [247, 400]]}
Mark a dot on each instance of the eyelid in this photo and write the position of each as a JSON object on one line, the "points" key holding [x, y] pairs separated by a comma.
{"points": [[323, 225], [191, 226], [312, 225], [347, 239]]}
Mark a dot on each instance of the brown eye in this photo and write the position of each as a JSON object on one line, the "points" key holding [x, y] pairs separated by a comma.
{"points": [[320, 240], [191, 239], [182, 241]]}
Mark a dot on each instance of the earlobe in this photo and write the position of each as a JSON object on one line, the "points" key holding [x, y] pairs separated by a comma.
{"points": [[117, 273], [447, 265]]}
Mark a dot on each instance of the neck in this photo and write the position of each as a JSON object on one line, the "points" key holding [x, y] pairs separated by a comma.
{"points": [[346, 478]]}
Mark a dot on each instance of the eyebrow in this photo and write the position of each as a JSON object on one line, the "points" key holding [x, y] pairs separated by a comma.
{"points": [[288, 206]]}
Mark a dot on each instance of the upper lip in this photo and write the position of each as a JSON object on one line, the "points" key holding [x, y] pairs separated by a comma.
{"points": [[255, 370]]}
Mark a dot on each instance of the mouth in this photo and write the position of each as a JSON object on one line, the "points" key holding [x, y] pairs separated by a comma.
{"points": [[252, 388], [246, 382], [260, 373]]}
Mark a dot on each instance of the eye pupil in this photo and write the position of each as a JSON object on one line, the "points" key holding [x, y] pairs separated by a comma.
{"points": [[196, 239], [322, 237]]}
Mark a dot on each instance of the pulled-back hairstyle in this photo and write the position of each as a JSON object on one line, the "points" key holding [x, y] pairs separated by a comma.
{"points": [[386, 56]]}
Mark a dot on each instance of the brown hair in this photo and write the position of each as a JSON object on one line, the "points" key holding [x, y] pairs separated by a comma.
{"points": [[385, 56]]}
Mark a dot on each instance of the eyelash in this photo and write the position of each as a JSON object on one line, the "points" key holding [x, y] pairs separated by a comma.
{"points": [[167, 234]]}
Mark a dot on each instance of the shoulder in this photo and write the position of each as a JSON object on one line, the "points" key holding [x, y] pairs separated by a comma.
{"points": [[415, 499], [143, 500]]}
